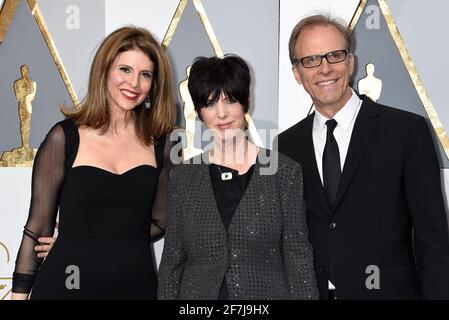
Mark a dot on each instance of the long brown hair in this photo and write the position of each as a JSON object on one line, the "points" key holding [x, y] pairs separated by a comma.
{"points": [[150, 124]]}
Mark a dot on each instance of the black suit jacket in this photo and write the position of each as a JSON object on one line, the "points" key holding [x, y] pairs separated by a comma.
{"points": [[389, 211]]}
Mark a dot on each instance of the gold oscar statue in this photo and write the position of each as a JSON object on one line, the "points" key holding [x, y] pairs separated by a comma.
{"points": [[189, 116], [24, 91], [370, 85]]}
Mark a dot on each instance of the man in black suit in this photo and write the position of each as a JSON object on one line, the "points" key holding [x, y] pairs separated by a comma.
{"points": [[376, 214]]}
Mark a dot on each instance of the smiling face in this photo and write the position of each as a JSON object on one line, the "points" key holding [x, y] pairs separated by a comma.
{"points": [[328, 84], [225, 117], [129, 80]]}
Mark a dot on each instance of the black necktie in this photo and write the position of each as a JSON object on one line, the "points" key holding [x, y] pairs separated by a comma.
{"points": [[331, 163]]}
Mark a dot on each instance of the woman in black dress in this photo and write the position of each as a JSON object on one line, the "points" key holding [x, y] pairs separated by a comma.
{"points": [[105, 169]]}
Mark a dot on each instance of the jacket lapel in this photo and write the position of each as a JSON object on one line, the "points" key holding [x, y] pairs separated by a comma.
{"points": [[364, 128], [247, 204], [203, 184], [313, 184]]}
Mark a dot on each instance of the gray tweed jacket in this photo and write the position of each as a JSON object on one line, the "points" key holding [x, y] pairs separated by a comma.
{"points": [[264, 254]]}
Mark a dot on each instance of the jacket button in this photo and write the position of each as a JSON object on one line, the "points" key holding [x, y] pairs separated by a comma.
{"points": [[332, 225], [323, 269]]}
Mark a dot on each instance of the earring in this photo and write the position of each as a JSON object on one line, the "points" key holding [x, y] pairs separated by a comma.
{"points": [[147, 102]]}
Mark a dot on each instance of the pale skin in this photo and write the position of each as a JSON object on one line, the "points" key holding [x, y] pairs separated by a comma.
{"points": [[230, 147], [328, 84], [118, 150]]}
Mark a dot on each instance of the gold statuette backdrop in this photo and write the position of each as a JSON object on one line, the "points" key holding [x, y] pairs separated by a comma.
{"points": [[25, 88], [414, 76], [24, 91], [189, 114]]}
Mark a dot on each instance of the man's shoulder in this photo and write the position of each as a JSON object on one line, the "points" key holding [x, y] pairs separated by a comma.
{"points": [[293, 139], [293, 130], [395, 114]]}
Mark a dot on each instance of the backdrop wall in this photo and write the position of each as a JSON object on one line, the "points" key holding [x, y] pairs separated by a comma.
{"points": [[58, 42]]}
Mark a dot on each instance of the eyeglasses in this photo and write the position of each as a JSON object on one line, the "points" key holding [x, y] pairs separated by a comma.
{"points": [[316, 60]]}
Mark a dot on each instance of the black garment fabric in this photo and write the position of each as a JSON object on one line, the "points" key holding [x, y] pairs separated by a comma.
{"points": [[264, 254], [389, 210], [331, 163], [228, 194], [106, 224]]}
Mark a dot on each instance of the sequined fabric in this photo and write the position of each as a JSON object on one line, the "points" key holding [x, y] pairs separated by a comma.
{"points": [[266, 254]]}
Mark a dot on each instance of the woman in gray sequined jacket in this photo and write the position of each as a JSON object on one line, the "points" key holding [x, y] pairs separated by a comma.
{"points": [[235, 229]]}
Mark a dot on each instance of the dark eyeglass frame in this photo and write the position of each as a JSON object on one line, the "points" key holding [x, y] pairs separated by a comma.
{"points": [[320, 57]]}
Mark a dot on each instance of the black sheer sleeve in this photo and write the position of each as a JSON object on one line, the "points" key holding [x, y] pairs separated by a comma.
{"points": [[158, 221], [47, 178]]}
